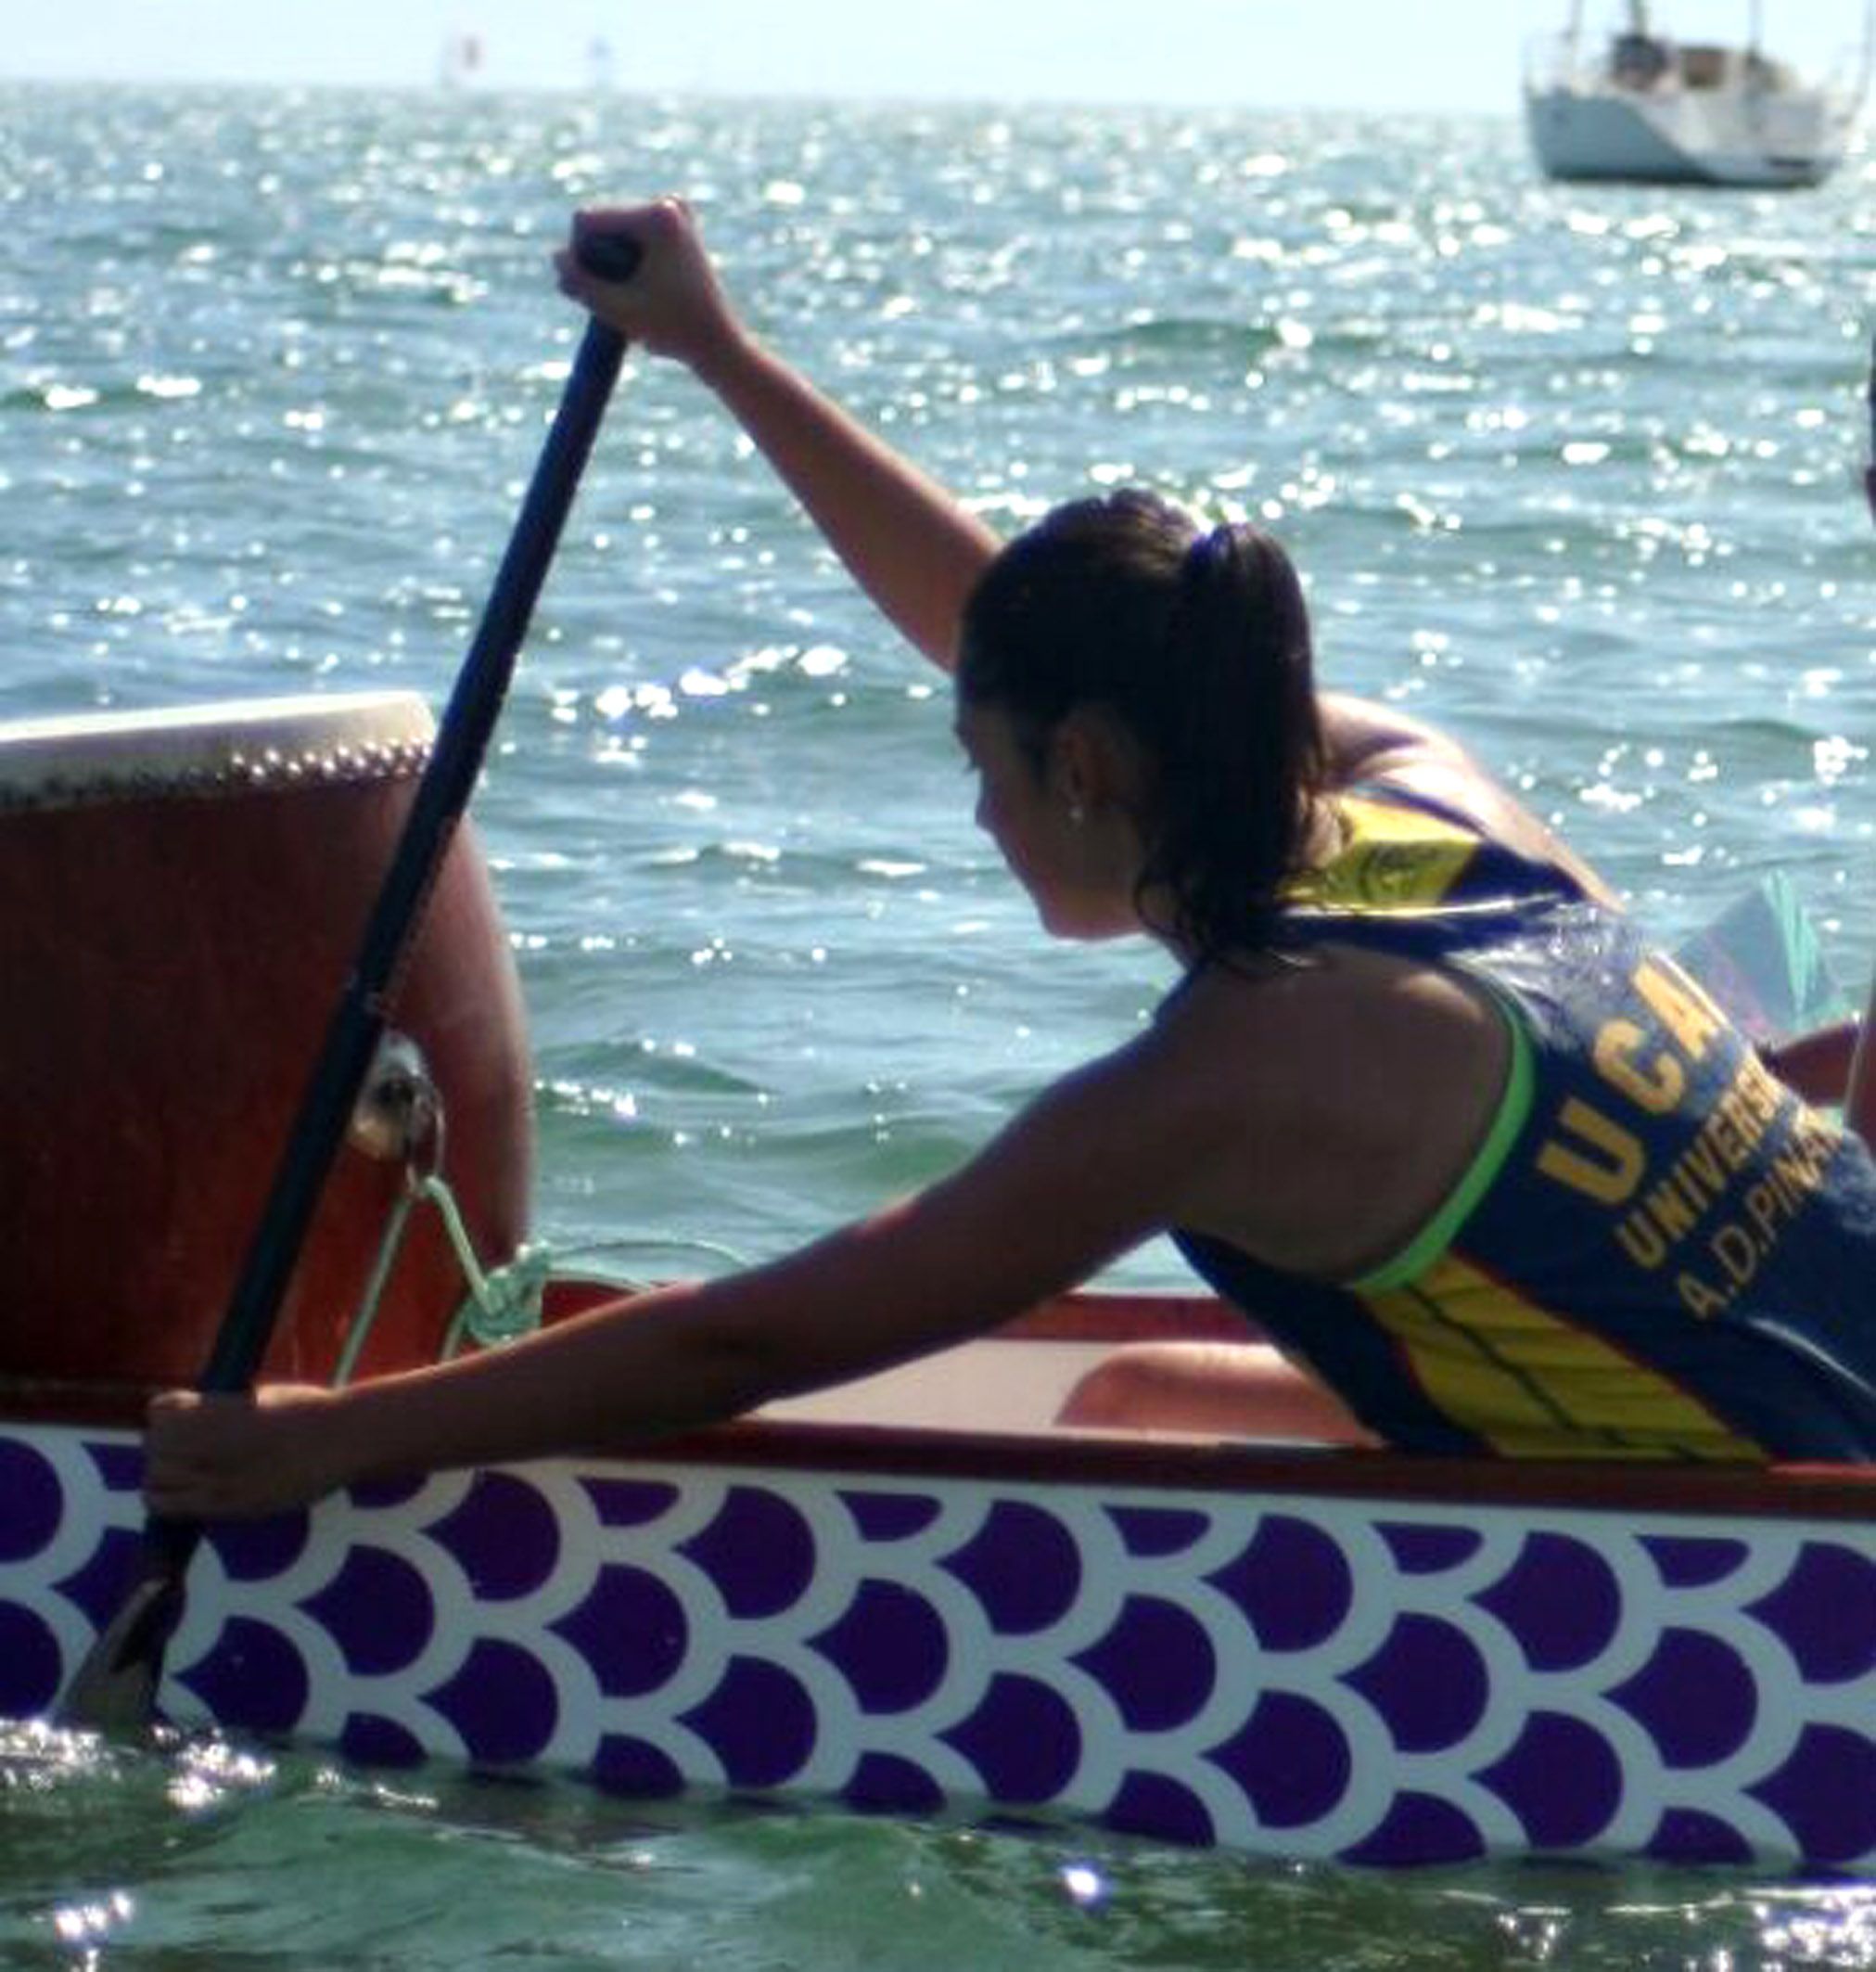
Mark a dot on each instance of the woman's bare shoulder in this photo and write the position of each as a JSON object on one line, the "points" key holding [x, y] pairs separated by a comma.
{"points": [[1367, 739], [1375, 744], [1341, 1096], [1298, 1043]]}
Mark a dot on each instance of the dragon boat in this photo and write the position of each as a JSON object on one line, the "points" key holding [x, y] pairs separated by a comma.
{"points": [[918, 1594]]}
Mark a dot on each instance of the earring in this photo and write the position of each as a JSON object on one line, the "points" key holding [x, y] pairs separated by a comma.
{"points": [[1076, 813]]}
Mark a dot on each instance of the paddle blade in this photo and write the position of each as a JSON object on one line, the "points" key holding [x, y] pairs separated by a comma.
{"points": [[115, 1689]]}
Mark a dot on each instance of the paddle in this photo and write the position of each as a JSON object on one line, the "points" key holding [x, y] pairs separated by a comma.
{"points": [[1859, 1096], [1869, 457], [116, 1686]]}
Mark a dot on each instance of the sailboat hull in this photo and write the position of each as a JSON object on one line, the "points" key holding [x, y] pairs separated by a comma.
{"points": [[1581, 135], [1654, 110]]}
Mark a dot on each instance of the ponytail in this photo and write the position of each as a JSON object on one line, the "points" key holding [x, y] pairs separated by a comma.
{"points": [[1199, 645]]}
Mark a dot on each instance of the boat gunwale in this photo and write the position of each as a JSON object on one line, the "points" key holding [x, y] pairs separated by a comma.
{"points": [[1151, 1461]]}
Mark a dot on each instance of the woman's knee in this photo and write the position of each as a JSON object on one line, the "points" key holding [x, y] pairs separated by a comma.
{"points": [[1244, 1390]]}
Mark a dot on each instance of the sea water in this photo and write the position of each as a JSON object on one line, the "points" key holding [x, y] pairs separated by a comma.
{"points": [[1574, 472]]}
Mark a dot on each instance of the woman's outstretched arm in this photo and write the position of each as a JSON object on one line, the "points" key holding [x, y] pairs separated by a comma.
{"points": [[1071, 1183], [908, 543]]}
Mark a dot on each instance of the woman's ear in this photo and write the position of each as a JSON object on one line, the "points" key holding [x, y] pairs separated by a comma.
{"points": [[1093, 761], [1068, 771]]}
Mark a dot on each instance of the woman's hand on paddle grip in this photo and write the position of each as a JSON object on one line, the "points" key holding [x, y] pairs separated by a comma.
{"points": [[672, 304], [218, 1458]]}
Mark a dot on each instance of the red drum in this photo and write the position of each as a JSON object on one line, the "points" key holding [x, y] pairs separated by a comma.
{"points": [[183, 897]]}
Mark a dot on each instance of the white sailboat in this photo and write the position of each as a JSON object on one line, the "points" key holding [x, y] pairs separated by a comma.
{"points": [[1646, 108]]}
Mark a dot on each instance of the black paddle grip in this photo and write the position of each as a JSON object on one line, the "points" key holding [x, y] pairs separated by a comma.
{"points": [[609, 256]]}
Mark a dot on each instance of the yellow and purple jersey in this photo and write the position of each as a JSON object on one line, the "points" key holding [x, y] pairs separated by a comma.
{"points": [[1659, 1251]]}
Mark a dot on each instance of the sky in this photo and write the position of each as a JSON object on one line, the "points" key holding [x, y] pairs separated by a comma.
{"points": [[1428, 54], [1300, 53]]}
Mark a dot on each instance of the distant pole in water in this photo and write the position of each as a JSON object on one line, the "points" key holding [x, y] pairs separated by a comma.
{"points": [[460, 61]]}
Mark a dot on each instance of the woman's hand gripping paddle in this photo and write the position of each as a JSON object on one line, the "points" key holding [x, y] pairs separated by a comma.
{"points": [[116, 1684]]}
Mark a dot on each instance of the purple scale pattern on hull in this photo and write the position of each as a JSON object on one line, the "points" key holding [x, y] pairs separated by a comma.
{"points": [[758, 1550], [254, 1678], [120, 1463], [1826, 1793], [1022, 1740], [1420, 1829], [375, 1742], [1378, 1682], [503, 1536], [1294, 1580], [1022, 1565], [1687, 1834], [35, 1502], [624, 1765], [1696, 1563], [1154, 1530], [889, 1516], [1695, 1697], [30, 1669], [1563, 1780], [99, 1585], [1825, 1610], [1157, 1663], [501, 1702], [1560, 1600], [252, 1550], [377, 1609], [1292, 1759], [1430, 1550], [1427, 1681], [891, 1645], [630, 1502], [885, 1784], [760, 1722], [633, 1630], [1157, 1805]]}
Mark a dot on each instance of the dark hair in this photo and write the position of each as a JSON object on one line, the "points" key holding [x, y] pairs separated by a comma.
{"points": [[1199, 645]]}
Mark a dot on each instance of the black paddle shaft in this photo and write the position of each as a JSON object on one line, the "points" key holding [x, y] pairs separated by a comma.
{"points": [[1869, 457], [116, 1684], [442, 794]]}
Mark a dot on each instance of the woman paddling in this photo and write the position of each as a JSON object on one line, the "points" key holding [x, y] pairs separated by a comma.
{"points": [[1503, 1177]]}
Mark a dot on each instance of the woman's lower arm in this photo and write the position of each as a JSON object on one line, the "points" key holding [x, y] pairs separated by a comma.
{"points": [[627, 1370]]}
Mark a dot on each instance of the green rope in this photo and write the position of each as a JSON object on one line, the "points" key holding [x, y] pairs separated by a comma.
{"points": [[365, 1316], [501, 1304], [661, 1242]]}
